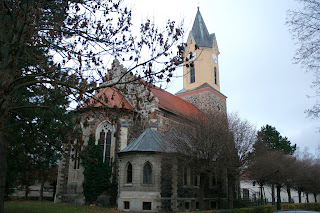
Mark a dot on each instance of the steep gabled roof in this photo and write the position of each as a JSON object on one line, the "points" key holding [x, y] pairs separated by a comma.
{"points": [[200, 32], [110, 97], [149, 141], [174, 104]]}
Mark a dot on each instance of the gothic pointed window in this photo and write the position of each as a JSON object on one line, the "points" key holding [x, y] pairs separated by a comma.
{"points": [[215, 76], [192, 72], [129, 173], [147, 173], [104, 139]]}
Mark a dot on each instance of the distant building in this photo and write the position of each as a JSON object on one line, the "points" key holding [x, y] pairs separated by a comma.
{"points": [[250, 190]]}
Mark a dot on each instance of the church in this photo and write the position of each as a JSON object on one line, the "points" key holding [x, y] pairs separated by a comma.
{"points": [[143, 182]]}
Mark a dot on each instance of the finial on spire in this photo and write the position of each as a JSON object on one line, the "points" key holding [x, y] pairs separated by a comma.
{"points": [[198, 5]]}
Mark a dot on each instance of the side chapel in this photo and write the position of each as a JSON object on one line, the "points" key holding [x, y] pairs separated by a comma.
{"points": [[142, 184]]}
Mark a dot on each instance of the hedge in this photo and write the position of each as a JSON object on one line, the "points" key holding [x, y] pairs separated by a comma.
{"points": [[270, 208], [258, 209], [304, 206]]}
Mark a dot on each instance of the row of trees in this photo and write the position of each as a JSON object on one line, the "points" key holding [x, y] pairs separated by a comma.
{"points": [[272, 163], [230, 145]]}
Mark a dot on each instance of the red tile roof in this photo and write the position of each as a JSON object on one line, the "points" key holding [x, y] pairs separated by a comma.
{"points": [[245, 176], [174, 104], [112, 97], [109, 97]]}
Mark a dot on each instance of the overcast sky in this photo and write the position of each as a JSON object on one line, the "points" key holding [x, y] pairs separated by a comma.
{"points": [[256, 71]]}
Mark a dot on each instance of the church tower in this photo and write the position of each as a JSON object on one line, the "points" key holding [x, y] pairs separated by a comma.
{"points": [[205, 58], [201, 80]]}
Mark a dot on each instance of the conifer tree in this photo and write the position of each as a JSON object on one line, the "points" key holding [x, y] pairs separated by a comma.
{"points": [[97, 174]]}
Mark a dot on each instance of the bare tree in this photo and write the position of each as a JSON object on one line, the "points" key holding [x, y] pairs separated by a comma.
{"points": [[214, 142], [244, 136], [67, 46], [304, 25]]}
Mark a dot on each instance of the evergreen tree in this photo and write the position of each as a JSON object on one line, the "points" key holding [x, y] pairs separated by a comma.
{"points": [[97, 174], [35, 137], [270, 137]]}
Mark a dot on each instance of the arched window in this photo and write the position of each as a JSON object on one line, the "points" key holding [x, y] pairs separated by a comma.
{"points": [[192, 71], [215, 76], [147, 173], [129, 173], [104, 139]]}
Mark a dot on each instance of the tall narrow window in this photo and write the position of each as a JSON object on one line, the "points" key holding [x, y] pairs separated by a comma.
{"points": [[147, 174], [192, 74], [102, 140], [213, 180], [76, 160], [197, 180], [215, 76], [129, 173], [108, 147], [185, 176]]}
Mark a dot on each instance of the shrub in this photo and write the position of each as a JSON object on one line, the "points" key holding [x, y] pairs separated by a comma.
{"points": [[245, 210], [304, 206]]}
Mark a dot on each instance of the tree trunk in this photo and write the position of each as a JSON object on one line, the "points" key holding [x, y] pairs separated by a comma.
{"points": [[26, 192], [261, 194], [230, 193], [299, 194], [307, 197], [278, 197], [315, 197], [41, 190], [289, 194], [3, 169], [273, 195]]}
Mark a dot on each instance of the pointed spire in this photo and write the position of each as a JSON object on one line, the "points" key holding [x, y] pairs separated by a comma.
{"points": [[200, 32]]}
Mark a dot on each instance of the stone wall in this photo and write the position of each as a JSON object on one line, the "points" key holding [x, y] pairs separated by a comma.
{"points": [[136, 92], [136, 192], [206, 100]]}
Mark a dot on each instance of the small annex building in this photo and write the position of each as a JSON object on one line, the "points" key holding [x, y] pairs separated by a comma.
{"points": [[146, 181]]}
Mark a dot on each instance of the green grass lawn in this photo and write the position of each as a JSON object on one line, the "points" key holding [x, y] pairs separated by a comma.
{"points": [[50, 207]]}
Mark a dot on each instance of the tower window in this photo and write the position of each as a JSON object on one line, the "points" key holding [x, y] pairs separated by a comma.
{"points": [[215, 76], [147, 174], [192, 74]]}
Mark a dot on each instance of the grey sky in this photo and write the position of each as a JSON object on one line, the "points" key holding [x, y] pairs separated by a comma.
{"points": [[256, 71]]}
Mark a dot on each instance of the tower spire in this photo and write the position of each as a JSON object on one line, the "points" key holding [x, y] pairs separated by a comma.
{"points": [[200, 32]]}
